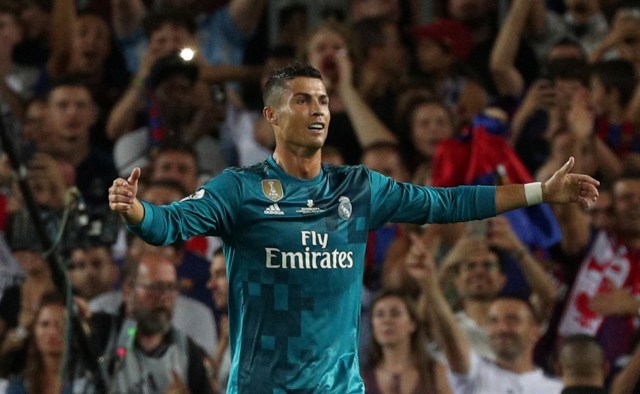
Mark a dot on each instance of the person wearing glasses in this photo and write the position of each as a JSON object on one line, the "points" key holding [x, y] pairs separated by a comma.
{"points": [[143, 351], [475, 266]]}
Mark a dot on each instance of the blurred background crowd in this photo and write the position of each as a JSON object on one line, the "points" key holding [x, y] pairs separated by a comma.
{"points": [[439, 93]]}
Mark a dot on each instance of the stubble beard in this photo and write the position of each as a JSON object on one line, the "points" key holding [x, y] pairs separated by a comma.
{"points": [[154, 321]]}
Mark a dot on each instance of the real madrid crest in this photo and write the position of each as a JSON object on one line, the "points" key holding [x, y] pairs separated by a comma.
{"points": [[344, 207], [195, 196], [272, 189]]}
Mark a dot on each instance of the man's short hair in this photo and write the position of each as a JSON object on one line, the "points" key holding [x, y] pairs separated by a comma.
{"points": [[276, 83], [181, 147], [68, 80], [155, 20], [169, 66], [581, 356], [167, 184], [617, 74], [567, 69], [10, 7], [369, 34], [535, 316]]}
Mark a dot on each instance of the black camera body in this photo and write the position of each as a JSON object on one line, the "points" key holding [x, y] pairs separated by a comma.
{"points": [[85, 228]]}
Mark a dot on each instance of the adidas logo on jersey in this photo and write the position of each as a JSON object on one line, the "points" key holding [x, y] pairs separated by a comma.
{"points": [[273, 209]]}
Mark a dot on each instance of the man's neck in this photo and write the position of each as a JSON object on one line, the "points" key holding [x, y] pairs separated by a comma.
{"points": [[593, 381], [149, 343], [298, 165], [476, 310], [521, 364]]}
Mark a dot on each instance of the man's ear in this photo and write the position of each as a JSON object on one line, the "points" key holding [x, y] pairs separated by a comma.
{"points": [[558, 369], [271, 115]]}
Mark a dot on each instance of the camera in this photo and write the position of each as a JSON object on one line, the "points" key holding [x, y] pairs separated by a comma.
{"points": [[85, 228]]}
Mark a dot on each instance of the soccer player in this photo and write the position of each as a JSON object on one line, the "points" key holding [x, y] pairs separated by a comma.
{"points": [[294, 233]]}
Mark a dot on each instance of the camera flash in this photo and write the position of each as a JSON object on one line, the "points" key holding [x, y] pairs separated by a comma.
{"points": [[187, 54]]}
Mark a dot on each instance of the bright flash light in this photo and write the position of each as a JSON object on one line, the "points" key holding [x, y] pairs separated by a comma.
{"points": [[187, 54]]}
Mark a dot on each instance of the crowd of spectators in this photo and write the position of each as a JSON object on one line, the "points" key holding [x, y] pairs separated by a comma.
{"points": [[487, 92]]}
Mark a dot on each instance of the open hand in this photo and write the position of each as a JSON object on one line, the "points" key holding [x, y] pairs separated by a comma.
{"points": [[564, 187]]}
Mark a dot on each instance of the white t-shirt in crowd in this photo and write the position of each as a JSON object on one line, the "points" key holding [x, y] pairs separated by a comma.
{"points": [[486, 377]]}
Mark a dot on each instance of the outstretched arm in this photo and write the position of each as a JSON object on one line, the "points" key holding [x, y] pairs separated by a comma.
{"points": [[123, 198], [563, 187]]}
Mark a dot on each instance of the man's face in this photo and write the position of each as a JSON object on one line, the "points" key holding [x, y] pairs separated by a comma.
{"points": [[394, 52], [582, 10], [386, 162], [601, 212], [511, 328], [10, 33], [469, 11], [218, 283], [70, 114], [479, 277], [432, 58], [93, 271], [430, 125], [33, 123], [169, 39], [626, 207], [565, 89], [176, 166], [175, 99], [302, 117], [361, 9], [91, 44], [35, 20], [161, 195], [152, 297]]}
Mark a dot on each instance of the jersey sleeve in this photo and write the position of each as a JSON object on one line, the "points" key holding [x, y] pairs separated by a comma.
{"points": [[212, 210], [399, 202]]}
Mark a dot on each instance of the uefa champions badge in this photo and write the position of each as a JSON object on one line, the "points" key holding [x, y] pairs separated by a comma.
{"points": [[272, 189], [344, 207]]}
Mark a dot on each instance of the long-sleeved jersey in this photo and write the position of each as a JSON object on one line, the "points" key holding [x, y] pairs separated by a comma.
{"points": [[295, 255]]}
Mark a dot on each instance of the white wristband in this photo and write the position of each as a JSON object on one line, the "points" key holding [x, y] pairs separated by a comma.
{"points": [[533, 193]]}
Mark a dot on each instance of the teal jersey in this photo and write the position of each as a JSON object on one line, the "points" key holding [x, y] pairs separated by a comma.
{"points": [[295, 256]]}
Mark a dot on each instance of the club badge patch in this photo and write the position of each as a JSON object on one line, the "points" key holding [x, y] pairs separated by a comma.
{"points": [[195, 196], [344, 207], [272, 189]]}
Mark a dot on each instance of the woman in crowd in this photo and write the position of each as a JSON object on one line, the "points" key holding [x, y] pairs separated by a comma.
{"points": [[46, 359], [398, 360], [423, 121], [353, 124]]}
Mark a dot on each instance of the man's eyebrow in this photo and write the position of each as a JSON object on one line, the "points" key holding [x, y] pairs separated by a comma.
{"points": [[309, 95]]}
